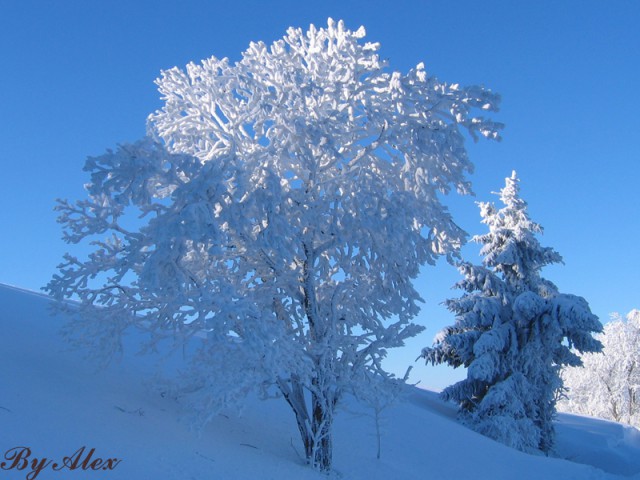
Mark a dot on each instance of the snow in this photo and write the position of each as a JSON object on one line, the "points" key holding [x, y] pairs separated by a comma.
{"points": [[54, 402], [607, 445]]}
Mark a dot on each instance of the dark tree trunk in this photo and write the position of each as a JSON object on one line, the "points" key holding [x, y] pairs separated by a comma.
{"points": [[321, 427], [315, 429]]}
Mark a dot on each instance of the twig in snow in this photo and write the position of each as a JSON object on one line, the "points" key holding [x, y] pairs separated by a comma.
{"points": [[297, 452], [205, 457], [139, 411]]}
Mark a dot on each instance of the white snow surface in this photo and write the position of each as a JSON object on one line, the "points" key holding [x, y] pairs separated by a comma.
{"points": [[55, 402]]}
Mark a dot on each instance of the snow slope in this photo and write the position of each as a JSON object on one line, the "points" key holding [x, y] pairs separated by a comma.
{"points": [[55, 403]]}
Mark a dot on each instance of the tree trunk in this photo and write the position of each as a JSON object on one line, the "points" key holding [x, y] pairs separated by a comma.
{"points": [[319, 451], [315, 430], [322, 451]]}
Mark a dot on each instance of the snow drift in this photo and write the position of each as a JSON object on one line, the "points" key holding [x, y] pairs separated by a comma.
{"points": [[69, 414]]}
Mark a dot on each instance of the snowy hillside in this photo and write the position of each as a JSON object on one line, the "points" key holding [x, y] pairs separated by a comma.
{"points": [[54, 403]]}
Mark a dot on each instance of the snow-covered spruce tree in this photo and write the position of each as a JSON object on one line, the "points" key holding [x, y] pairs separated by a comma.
{"points": [[288, 201], [513, 331], [608, 384]]}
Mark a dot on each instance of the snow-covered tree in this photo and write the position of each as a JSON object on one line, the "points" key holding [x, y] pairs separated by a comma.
{"points": [[608, 383], [287, 202], [513, 331]]}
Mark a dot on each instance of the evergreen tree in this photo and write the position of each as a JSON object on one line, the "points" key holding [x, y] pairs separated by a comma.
{"points": [[513, 331]]}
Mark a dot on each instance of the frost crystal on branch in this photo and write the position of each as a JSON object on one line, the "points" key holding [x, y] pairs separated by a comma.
{"points": [[513, 331], [290, 199]]}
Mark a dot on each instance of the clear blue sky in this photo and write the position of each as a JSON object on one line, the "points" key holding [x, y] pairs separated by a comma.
{"points": [[77, 78]]}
